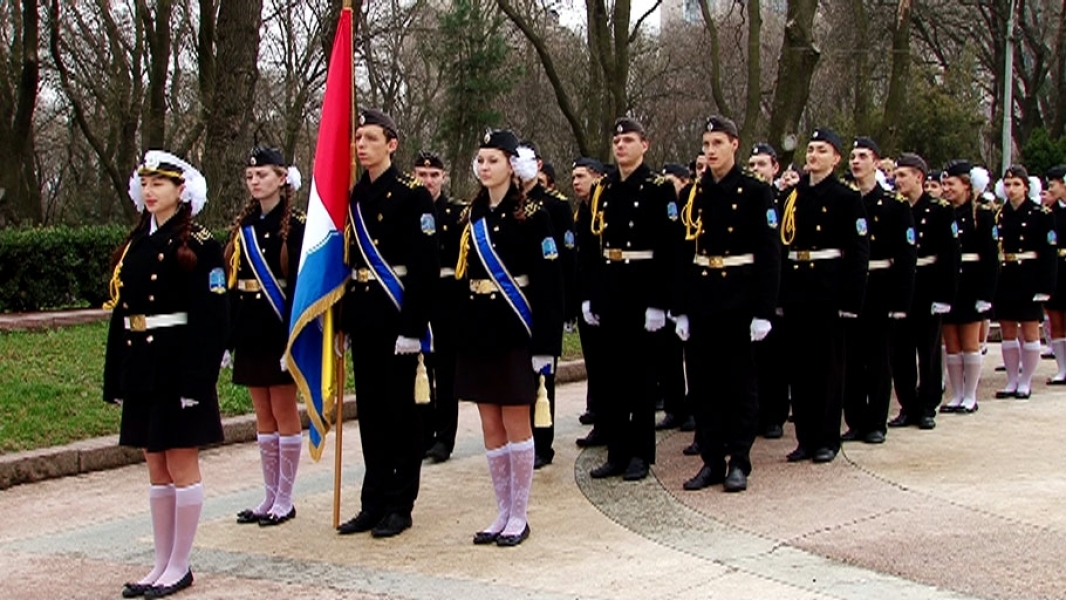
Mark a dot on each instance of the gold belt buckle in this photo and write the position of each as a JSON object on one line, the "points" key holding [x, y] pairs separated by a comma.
{"points": [[1010, 257], [362, 275], [715, 262], [482, 286], [803, 255], [614, 254], [138, 323]]}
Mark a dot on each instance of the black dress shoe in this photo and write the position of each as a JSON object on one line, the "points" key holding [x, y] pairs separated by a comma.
{"points": [[1001, 394], [485, 537], [688, 425], [247, 516], [670, 421], [704, 479], [508, 541], [692, 449], [438, 452], [392, 525], [539, 462], [966, 410], [593, 439], [798, 455], [736, 481], [270, 520], [824, 455], [638, 469], [773, 432], [1055, 381], [162, 591], [901, 420], [851, 436], [926, 423], [947, 408], [1020, 395], [607, 469], [135, 590], [874, 437], [362, 522], [587, 418]]}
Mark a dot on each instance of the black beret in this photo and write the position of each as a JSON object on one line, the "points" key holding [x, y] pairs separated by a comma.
{"points": [[548, 170], [1017, 171], [589, 163], [764, 148], [501, 139], [1056, 172], [718, 123], [429, 159], [373, 116], [867, 143], [934, 175], [627, 125], [958, 168], [262, 156], [914, 161], [828, 136], [677, 170]]}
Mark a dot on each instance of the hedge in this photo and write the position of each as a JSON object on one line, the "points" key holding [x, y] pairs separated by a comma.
{"points": [[50, 268]]}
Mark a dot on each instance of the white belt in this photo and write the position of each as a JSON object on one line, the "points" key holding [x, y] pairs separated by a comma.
{"points": [[252, 285], [877, 265], [613, 254], [925, 261], [971, 257], [722, 262], [363, 275], [144, 323], [447, 272], [1009, 257], [488, 286], [809, 255]]}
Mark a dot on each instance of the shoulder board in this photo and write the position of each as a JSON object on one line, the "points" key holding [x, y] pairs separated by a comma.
{"points": [[943, 203], [465, 215], [199, 233], [1046, 210], [411, 182], [657, 179], [986, 207], [899, 197], [299, 216], [559, 195], [458, 202], [851, 186], [532, 208], [757, 177]]}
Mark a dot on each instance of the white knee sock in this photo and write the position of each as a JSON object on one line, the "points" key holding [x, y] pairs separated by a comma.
{"points": [[188, 502], [1059, 347], [161, 503], [954, 363], [971, 377], [521, 485], [1030, 360], [1011, 356], [289, 448], [268, 460], [500, 471]]}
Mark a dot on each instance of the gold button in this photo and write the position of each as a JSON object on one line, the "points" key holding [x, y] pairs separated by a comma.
{"points": [[380, 217], [796, 267], [729, 229], [876, 219], [492, 296], [129, 342], [445, 228], [636, 204], [496, 228], [817, 227], [388, 194], [258, 296], [740, 190], [266, 235], [160, 257], [705, 272], [873, 238], [124, 305], [154, 277], [724, 273], [810, 264], [447, 211], [151, 298], [149, 339], [825, 210], [734, 207], [879, 203], [375, 242]]}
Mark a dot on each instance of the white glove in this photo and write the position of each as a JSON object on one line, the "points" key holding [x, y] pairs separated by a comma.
{"points": [[897, 315], [939, 308], [654, 319], [406, 345], [284, 365], [843, 314], [759, 328], [586, 311], [982, 306], [543, 364], [681, 327], [227, 360], [1041, 298]]}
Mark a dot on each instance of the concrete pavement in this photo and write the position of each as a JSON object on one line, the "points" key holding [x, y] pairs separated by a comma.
{"points": [[971, 510]]}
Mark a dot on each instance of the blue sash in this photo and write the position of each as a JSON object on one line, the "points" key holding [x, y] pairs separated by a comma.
{"points": [[383, 273], [267, 282], [494, 266]]}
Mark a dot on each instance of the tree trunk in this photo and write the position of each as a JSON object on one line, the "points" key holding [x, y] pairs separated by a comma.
{"points": [[157, 36], [716, 62], [1058, 78], [795, 68], [861, 113], [20, 194], [753, 106], [898, 82]]}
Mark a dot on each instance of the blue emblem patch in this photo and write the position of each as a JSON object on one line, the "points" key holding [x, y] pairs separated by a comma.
{"points": [[548, 249], [216, 280], [568, 239], [954, 229], [771, 218], [995, 232], [910, 236], [860, 226], [1052, 239], [429, 224], [671, 211]]}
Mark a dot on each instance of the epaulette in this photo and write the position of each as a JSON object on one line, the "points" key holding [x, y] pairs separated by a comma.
{"points": [[899, 197], [756, 176], [558, 195], [465, 215], [411, 182], [1047, 211], [199, 233], [299, 216], [851, 186], [657, 179], [532, 208], [987, 207]]}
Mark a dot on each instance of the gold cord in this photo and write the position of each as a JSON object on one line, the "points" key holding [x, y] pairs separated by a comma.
{"points": [[598, 221], [464, 249], [788, 220], [234, 261], [693, 228], [114, 287]]}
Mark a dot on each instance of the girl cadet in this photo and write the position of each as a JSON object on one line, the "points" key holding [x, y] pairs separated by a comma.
{"points": [[263, 255], [1028, 243], [167, 336], [963, 184], [510, 323], [1056, 307]]}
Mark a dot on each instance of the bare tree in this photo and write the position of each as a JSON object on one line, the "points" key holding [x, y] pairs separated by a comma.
{"points": [[795, 68], [20, 197]]}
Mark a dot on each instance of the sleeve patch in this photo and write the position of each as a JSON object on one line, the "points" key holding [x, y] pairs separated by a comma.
{"points": [[429, 224], [860, 226], [1052, 238], [671, 211], [954, 229], [771, 218], [995, 232], [548, 249], [568, 239], [911, 239], [216, 281]]}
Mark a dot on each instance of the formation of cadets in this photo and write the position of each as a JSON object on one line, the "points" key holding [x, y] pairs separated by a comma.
{"points": [[734, 293]]}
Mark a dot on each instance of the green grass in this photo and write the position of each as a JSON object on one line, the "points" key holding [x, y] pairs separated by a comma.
{"points": [[50, 387]]}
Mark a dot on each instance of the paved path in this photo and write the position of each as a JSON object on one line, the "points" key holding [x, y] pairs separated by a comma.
{"points": [[973, 509]]}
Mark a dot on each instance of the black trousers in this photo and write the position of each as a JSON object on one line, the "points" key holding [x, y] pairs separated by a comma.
{"points": [[919, 385], [770, 362], [441, 418], [670, 385], [868, 373], [592, 350], [721, 356], [626, 415], [543, 437], [390, 425], [816, 341]]}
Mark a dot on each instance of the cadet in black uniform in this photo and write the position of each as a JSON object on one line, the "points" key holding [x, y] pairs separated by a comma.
{"points": [[164, 346], [868, 380], [441, 419], [510, 324], [919, 385], [635, 222], [392, 242], [1029, 246], [1056, 307], [262, 256], [824, 227], [978, 271], [932, 184], [726, 298]]}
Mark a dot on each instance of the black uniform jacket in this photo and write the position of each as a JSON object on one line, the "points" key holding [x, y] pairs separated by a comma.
{"points": [[254, 324], [450, 220], [180, 360], [640, 214], [828, 216], [937, 241], [526, 246], [738, 219], [1027, 228], [558, 208], [979, 243], [1058, 209], [400, 218], [892, 239]]}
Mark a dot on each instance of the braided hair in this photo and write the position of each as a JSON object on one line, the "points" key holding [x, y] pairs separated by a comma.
{"points": [[250, 207]]}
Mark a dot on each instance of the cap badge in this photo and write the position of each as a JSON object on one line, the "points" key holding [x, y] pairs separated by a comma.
{"points": [[251, 161], [620, 128], [488, 136], [362, 119]]}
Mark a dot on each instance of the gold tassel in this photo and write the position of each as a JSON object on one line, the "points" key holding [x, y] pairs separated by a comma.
{"points": [[347, 238], [114, 286], [421, 382], [788, 220], [542, 413], [464, 250], [693, 229], [234, 262], [598, 221]]}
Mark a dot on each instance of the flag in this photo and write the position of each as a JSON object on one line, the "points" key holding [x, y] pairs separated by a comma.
{"points": [[322, 273]]}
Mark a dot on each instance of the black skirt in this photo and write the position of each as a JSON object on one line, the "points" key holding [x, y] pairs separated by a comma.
{"points": [[964, 313], [1019, 310], [504, 378], [164, 421], [253, 368]]}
